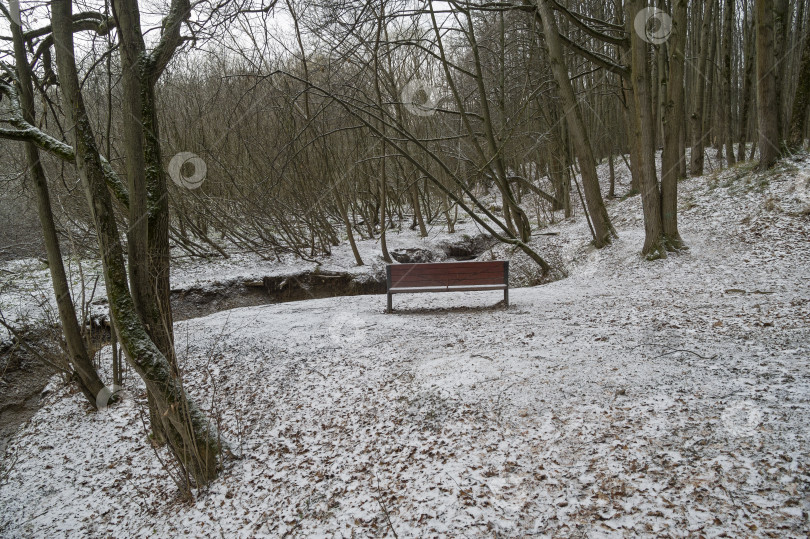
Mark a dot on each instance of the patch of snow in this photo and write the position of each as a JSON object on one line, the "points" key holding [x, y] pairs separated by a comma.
{"points": [[632, 398]]}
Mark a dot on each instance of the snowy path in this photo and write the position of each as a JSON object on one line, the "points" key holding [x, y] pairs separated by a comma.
{"points": [[668, 397]]}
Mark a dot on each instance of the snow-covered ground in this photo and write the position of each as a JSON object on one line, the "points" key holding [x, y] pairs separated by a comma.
{"points": [[652, 398]]}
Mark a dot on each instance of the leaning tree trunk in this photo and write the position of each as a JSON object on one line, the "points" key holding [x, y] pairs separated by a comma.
{"points": [[84, 373], [198, 447], [417, 211], [495, 162], [602, 227], [767, 106], [148, 236]]}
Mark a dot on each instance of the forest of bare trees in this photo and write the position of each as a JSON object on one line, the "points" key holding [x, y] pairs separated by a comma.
{"points": [[283, 128]]}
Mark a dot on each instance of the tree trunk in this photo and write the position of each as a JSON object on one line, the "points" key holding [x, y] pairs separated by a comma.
{"points": [[344, 214], [84, 374], [383, 176], [767, 105], [780, 14], [634, 135], [728, 17], [745, 104], [654, 244], [698, 132], [383, 207], [417, 210], [198, 447], [148, 233], [801, 102], [673, 122]]}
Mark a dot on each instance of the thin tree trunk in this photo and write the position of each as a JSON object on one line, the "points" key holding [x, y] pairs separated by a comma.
{"points": [[698, 132], [417, 210], [383, 204], [347, 223], [745, 105], [728, 17], [84, 374], [383, 176], [780, 14], [634, 135], [801, 102], [512, 211]]}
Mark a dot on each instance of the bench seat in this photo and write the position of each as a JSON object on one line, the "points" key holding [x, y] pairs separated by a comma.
{"points": [[447, 277], [448, 288]]}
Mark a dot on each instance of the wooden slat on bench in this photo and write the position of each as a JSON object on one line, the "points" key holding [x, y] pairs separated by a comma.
{"points": [[474, 288], [401, 269], [447, 280], [448, 277], [454, 273]]}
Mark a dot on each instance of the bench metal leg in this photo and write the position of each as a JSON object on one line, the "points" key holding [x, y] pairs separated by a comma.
{"points": [[506, 281], [388, 287]]}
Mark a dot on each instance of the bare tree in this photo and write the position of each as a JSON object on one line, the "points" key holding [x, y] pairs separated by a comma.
{"points": [[197, 445]]}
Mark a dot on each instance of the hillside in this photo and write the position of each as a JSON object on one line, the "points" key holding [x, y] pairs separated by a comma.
{"points": [[631, 397]]}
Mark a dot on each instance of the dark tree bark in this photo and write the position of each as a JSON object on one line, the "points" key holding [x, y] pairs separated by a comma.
{"points": [[654, 244], [673, 123], [633, 134], [781, 15], [767, 105], [801, 102], [698, 123], [728, 17], [745, 103]]}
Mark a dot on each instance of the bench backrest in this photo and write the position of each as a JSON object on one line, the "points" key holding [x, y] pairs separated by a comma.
{"points": [[448, 274]]}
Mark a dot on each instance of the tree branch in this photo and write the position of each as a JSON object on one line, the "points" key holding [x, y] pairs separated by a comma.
{"points": [[23, 131]]}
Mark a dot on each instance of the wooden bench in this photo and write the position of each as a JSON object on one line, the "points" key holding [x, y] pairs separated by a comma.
{"points": [[448, 277]]}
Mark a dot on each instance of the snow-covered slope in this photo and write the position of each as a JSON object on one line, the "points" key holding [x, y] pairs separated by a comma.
{"points": [[633, 397]]}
